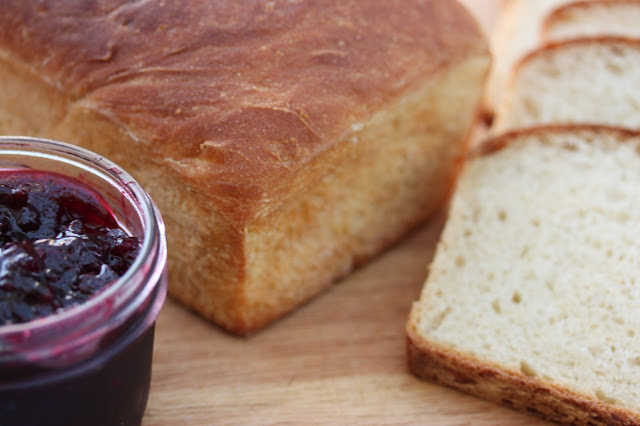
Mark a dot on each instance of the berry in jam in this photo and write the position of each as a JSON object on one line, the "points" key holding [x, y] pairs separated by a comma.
{"points": [[59, 244]]}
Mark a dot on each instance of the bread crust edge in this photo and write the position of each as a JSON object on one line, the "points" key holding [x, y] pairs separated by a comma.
{"points": [[433, 362], [499, 141], [561, 12]]}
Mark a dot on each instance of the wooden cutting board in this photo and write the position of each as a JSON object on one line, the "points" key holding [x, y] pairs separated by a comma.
{"points": [[338, 360]]}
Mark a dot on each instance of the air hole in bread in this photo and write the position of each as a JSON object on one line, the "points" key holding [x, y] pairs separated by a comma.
{"points": [[476, 214], [439, 319], [502, 215], [531, 108], [616, 194], [602, 396], [516, 298], [595, 351], [550, 285], [633, 101], [460, 261], [496, 306], [615, 68], [622, 217], [527, 369]]}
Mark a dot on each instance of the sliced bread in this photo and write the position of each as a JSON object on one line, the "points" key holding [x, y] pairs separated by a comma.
{"points": [[516, 33], [595, 80], [592, 18], [532, 296]]}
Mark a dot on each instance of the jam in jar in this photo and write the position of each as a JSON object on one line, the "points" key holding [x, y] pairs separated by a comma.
{"points": [[82, 279], [59, 244]]}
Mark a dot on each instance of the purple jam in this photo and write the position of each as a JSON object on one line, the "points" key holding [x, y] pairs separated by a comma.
{"points": [[59, 244], [79, 296]]}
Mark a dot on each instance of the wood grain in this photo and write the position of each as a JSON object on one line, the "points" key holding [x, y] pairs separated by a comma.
{"points": [[338, 360]]}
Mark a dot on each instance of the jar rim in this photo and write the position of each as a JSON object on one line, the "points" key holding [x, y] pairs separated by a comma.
{"points": [[117, 301]]}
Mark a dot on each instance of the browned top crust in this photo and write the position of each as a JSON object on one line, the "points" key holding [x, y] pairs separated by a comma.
{"points": [[237, 96]]}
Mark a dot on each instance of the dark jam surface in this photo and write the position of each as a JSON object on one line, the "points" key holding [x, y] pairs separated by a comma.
{"points": [[59, 244]]}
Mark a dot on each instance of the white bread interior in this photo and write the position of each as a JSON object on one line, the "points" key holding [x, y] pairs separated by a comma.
{"points": [[532, 296], [583, 80]]}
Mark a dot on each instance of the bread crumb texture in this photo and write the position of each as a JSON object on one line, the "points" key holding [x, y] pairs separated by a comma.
{"points": [[537, 269]]}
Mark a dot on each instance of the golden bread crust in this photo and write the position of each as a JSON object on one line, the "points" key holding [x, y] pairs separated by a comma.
{"points": [[445, 366], [565, 11], [237, 97], [500, 141]]}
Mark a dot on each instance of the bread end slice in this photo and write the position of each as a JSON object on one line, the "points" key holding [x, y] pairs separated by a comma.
{"points": [[531, 300]]}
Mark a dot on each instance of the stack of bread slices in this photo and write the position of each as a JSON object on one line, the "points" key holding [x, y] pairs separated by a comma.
{"points": [[533, 296], [583, 70]]}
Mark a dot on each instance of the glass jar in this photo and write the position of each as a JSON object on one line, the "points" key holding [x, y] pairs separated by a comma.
{"points": [[91, 363]]}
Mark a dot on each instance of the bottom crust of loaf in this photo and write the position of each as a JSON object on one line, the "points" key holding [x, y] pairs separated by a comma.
{"points": [[433, 362]]}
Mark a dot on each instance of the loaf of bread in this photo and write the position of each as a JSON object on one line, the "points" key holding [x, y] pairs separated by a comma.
{"points": [[285, 142], [592, 19], [581, 80], [532, 296]]}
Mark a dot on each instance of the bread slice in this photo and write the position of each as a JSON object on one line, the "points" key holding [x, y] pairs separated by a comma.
{"points": [[516, 33], [285, 143], [532, 296], [591, 19], [582, 80]]}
